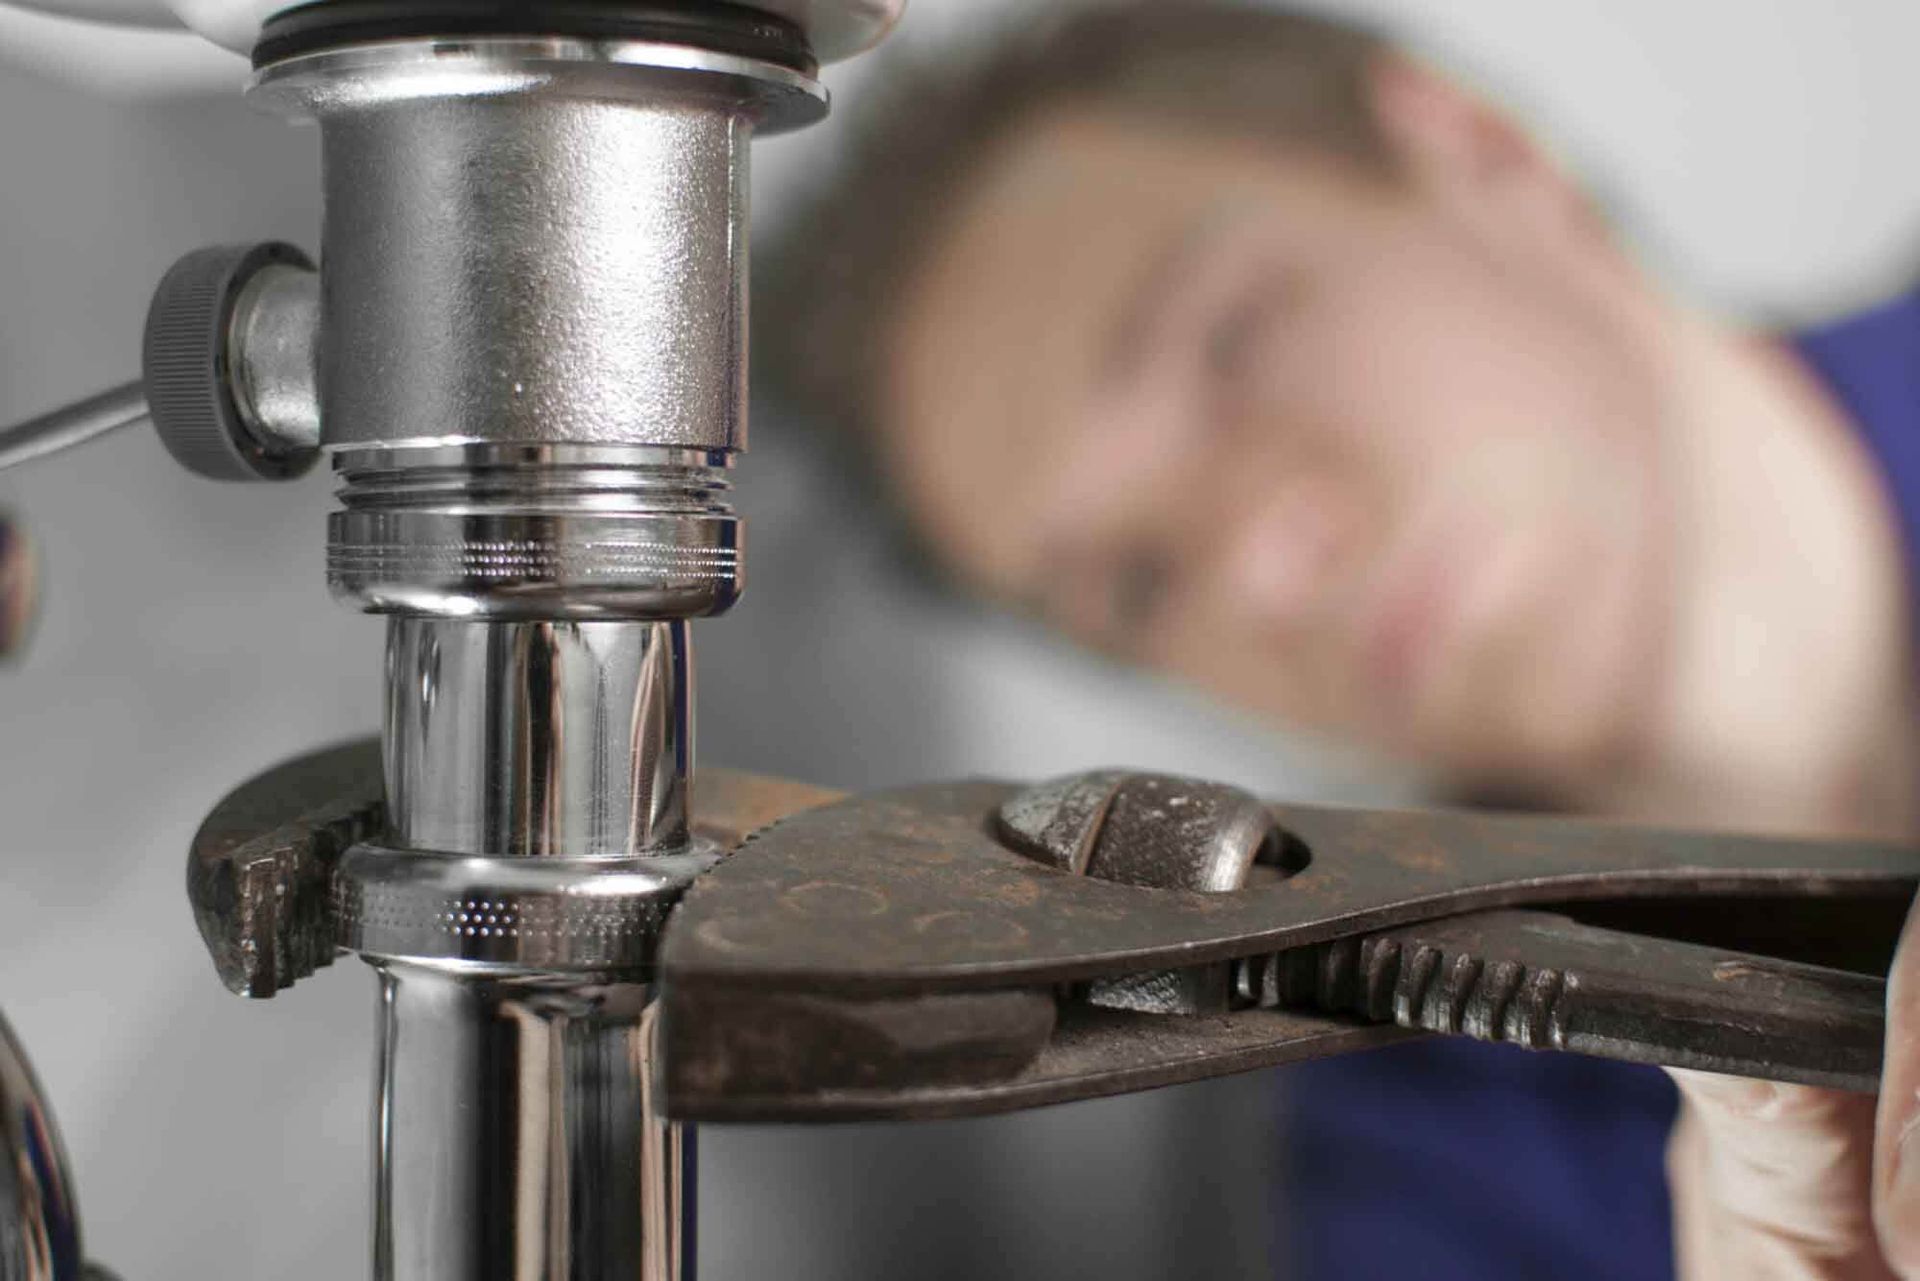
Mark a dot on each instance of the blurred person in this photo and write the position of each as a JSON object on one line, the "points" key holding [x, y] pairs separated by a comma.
{"points": [[1244, 346]]}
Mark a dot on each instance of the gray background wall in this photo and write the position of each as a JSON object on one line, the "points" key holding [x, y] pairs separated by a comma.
{"points": [[1760, 149]]}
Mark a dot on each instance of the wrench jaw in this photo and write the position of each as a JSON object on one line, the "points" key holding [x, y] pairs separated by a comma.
{"points": [[263, 871], [741, 1055], [716, 1067], [1544, 981], [745, 1055], [910, 892], [740, 1048], [260, 870], [891, 957]]}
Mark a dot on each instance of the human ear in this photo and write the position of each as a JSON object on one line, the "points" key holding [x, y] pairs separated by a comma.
{"points": [[1454, 143], [1439, 129]]}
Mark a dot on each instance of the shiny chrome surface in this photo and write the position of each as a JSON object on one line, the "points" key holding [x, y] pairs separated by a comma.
{"points": [[205, 388], [535, 241], [536, 532], [511, 740], [39, 1224], [531, 372], [516, 1134], [74, 424], [835, 28], [273, 350], [550, 914], [536, 836]]}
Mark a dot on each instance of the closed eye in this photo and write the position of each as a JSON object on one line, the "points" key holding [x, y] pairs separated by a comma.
{"points": [[1236, 338]]}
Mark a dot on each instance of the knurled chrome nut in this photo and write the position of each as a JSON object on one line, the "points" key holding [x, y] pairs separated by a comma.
{"points": [[199, 365], [522, 533], [544, 914], [535, 567]]}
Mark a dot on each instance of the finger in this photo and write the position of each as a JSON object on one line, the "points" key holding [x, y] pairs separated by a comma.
{"points": [[16, 587], [1773, 1182], [1897, 1135]]}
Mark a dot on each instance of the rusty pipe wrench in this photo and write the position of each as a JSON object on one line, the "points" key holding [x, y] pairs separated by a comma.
{"points": [[980, 947], [974, 948]]}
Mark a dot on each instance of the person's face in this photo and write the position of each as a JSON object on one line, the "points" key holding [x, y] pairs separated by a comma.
{"points": [[1378, 456]]}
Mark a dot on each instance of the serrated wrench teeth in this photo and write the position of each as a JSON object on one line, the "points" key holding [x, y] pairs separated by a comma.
{"points": [[260, 869]]}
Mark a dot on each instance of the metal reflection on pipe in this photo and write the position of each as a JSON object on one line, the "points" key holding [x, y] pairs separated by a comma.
{"points": [[565, 739], [517, 1135]]}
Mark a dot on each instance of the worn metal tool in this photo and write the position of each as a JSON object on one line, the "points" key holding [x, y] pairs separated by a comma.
{"points": [[978, 947]]}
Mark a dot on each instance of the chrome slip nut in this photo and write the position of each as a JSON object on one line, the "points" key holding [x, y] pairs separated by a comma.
{"points": [[545, 914], [516, 532]]}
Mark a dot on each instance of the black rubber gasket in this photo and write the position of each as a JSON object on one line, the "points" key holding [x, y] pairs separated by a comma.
{"points": [[704, 24]]}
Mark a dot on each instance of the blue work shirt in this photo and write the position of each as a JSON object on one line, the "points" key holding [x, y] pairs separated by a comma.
{"points": [[1456, 1161]]}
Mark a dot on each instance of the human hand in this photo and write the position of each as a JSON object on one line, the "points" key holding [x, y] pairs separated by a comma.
{"points": [[1790, 1183]]}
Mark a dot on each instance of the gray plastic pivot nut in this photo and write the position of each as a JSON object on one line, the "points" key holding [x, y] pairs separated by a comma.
{"points": [[191, 364]]}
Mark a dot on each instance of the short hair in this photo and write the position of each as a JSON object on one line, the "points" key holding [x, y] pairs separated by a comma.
{"points": [[828, 291]]}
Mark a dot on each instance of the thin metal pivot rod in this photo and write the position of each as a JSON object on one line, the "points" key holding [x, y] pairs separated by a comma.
{"points": [[74, 424]]}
